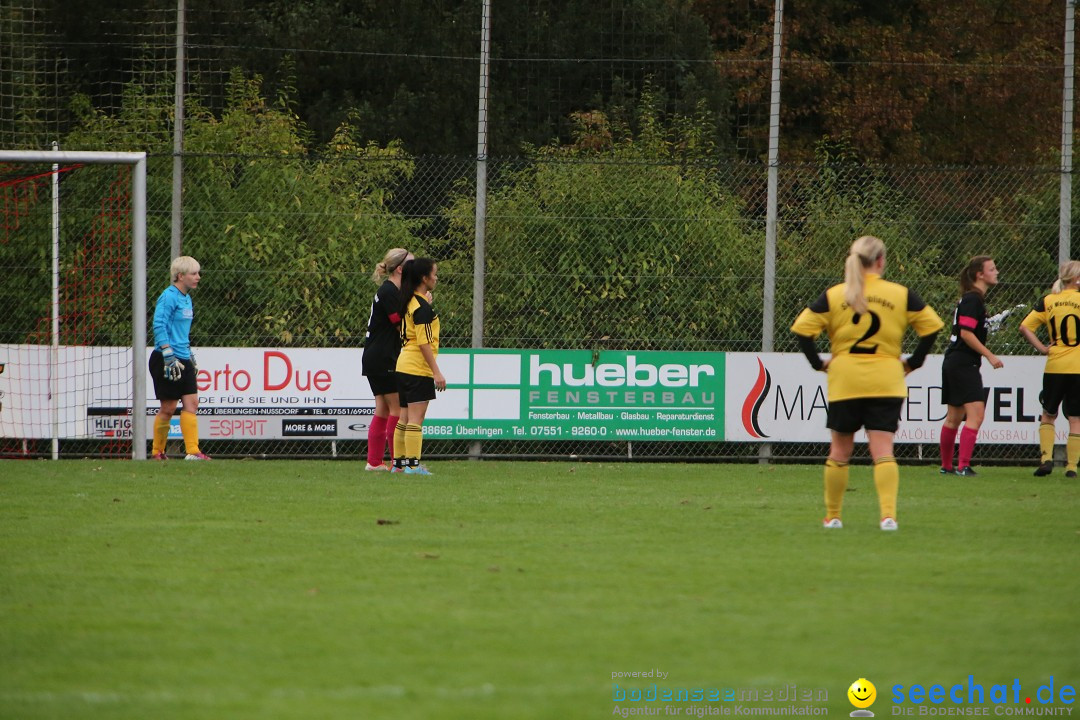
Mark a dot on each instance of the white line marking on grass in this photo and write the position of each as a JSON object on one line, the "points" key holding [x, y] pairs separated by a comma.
{"points": [[107, 697]]}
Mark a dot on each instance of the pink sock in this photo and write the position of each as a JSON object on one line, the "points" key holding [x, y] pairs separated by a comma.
{"points": [[376, 440], [967, 445], [391, 424], [948, 441]]}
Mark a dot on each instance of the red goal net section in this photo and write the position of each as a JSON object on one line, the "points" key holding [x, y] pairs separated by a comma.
{"points": [[73, 304]]}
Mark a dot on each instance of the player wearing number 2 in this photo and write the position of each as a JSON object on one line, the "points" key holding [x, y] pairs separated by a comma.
{"points": [[1060, 312], [865, 318]]}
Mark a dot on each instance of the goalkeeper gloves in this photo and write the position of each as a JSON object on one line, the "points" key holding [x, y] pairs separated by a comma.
{"points": [[194, 365], [173, 367]]}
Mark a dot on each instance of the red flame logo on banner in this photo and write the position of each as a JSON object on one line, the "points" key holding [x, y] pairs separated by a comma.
{"points": [[754, 400]]}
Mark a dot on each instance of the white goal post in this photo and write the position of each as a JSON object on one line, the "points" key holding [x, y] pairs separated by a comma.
{"points": [[138, 268]]}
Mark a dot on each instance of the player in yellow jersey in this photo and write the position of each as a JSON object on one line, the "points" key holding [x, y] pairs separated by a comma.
{"points": [[418, 374], [865, 318], [1060, 313]]}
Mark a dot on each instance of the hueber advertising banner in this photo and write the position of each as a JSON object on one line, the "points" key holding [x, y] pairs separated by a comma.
{"points": [[579, 395]]}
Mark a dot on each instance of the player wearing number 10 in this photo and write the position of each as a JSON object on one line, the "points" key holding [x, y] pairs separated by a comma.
{"points": [[1060, 312], [865, 318]]}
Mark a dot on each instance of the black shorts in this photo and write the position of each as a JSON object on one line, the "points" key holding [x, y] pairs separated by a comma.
{"points": [[1060, 388], [415, 388], [875, 413], [384, 383], [167, 389], [961, 383]]}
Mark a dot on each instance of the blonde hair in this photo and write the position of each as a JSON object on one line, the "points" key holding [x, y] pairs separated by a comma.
{"points": [[393, 259], [1068, 273], [183, 265], [863, 254]]}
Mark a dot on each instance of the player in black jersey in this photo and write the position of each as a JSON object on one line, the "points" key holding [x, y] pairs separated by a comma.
{"points": [[961, 381], [382, 344]]}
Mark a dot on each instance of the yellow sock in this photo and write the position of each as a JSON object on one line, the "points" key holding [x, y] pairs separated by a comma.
{"points": [[836, 479], [161, 434], [399, 442], [1046, 441], [189, 428], [887, 481], [414, 441], [1072, 452]]}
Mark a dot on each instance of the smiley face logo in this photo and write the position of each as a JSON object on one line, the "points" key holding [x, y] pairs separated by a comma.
{"points": [[862, 694]]}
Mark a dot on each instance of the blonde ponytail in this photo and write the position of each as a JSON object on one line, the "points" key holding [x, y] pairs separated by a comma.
{"points": [[1068, 274], [863, 254], [393, 259]]}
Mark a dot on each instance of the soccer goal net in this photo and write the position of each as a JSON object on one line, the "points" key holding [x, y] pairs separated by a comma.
{"points": [[73, 304]]}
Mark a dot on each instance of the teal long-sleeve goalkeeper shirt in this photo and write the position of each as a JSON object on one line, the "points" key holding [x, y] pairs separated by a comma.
{"points": [[172, 322]]}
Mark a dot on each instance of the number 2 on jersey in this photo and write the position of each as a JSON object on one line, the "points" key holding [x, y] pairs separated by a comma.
{"points": [[875, 324]]}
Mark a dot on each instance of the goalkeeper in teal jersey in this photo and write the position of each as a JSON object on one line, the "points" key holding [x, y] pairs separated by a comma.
{"points": [[172, 364]]}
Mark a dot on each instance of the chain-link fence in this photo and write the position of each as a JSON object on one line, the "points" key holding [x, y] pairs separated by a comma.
{"points": [[580, 254], [643, 234]]}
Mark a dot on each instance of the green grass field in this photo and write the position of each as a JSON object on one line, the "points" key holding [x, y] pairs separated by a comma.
{"points": [[247, 589]]}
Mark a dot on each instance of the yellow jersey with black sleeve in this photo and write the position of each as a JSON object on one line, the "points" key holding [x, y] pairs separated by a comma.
{"points": [[1060, 313], [866, 348], [419, 327]]}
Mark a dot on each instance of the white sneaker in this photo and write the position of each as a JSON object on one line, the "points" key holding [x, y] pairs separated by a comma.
{"points": [[889, 524], [376, 468], [833, 524]]}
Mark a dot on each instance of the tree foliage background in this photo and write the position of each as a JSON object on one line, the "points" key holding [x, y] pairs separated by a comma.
{"points": [[954, 81], [626, 140]]}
